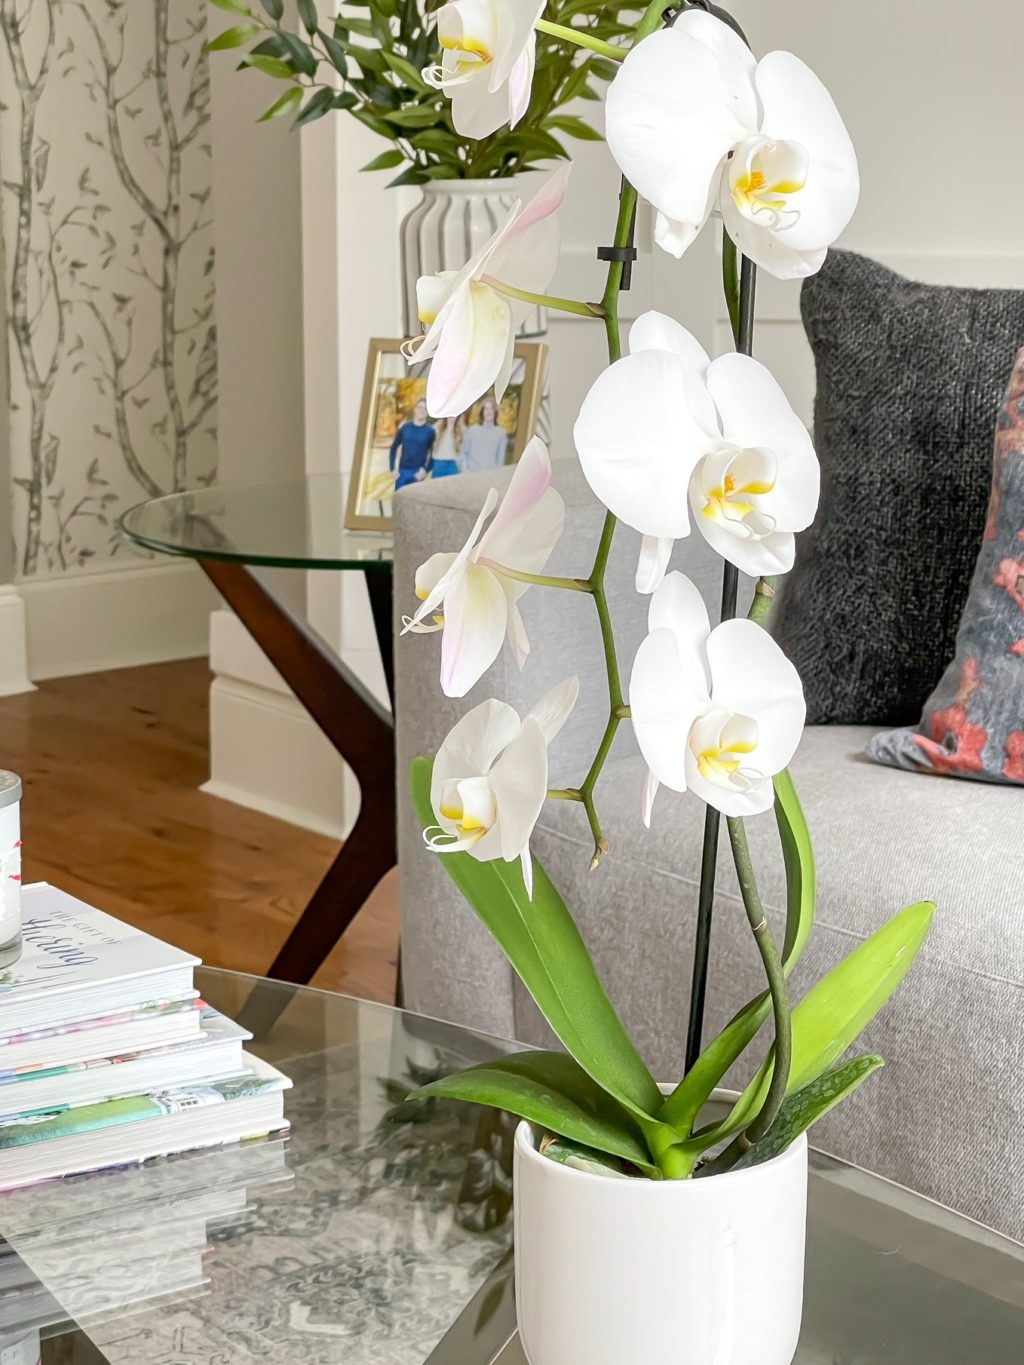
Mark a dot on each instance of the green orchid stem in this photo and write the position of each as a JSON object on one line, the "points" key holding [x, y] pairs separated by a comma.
{"points": [[608, 309], [539, 579], [761, 606], [781, 1012], [582, 310], [580, 39]]}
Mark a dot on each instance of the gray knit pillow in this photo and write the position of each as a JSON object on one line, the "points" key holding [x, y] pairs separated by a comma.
{"points": [[973, 723], [909, 378]]}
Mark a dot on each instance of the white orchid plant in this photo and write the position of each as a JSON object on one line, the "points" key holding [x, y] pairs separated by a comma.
{"points": [[701, 129]]}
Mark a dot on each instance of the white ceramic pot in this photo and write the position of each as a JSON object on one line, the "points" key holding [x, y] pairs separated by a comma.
{"points": [[682, 1272], [453, 219]]}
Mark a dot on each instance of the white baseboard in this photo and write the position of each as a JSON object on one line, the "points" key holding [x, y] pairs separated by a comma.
{"points": [[116, 618], [266, 754], [14, 677]]}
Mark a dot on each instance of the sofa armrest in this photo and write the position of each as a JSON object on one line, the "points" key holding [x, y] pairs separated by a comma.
{"points": [[451, 967]]}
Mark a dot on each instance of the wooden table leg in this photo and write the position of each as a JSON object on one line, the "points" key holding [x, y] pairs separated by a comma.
{"points": [[359, 728]]}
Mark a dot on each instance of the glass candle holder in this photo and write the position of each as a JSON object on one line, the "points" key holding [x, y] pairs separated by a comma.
{"points": [[10, 868]]}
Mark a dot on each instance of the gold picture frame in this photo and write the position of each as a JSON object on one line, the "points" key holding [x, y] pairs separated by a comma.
{"points": [[485, 436]]}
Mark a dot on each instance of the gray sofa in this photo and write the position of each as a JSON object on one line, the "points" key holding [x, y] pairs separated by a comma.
{"points": [[946, 1115]]}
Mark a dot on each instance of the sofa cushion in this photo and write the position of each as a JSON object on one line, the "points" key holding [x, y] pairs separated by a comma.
{"points": [[953, 1038], [909, 379], [973, 723]]}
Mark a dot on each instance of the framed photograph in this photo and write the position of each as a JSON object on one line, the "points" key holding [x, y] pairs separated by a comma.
{"points": [[398, 443]]}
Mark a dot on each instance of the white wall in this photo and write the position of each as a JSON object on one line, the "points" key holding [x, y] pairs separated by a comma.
{"points": [[931, 94]]}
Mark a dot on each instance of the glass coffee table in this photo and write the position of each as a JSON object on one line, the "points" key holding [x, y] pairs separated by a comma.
{"points": [[232, 531], [379, 1234]]}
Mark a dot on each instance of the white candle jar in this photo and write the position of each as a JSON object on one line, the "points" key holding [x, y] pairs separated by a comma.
{"points": [[10, 868]]}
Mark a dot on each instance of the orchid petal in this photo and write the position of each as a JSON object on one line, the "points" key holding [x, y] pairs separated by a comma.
{"points": [[475, 621], [736, 62], [679, 607], [515, 21], [638, 443], [798, 108], [768, 249], [663, 707], [435, 595], [529, 522], [526, 252], [654, 331], [431, 572], [650, 791], [755, 412], [519, 780], [751, 676], [477, 112], [516, 629], [470, 351], [655, 553], [757, 556], [672, 114], [520, 88], [554, 708], [472, 745], [526, 862]]}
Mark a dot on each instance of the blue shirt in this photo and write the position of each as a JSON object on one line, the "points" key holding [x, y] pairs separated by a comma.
{"points": [[416, 442]]}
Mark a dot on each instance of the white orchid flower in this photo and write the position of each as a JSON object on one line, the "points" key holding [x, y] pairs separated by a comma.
{"points": [[480, 602], [489, 51], [665, 430], [471, 324], [696, 124], [490, 779], [716, 712]]}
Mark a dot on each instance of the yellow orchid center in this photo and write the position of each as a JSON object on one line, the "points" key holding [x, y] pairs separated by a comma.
{"points": [[732, 501], [718, 764], [763, 175], [470, 808]]}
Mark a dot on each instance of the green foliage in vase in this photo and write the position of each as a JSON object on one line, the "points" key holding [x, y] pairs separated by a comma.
{"points": [[367, 62]]}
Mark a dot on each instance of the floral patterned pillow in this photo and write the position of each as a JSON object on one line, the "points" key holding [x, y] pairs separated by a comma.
{"points": [[973, 723]]}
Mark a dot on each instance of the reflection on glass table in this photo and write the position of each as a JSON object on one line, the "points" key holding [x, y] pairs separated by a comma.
{"points": [[379, 1232]]}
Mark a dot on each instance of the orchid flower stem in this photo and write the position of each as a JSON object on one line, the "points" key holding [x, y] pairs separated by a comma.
{"points": [[581, 39], [608, 310], [583, 310], [539, 580], [781, 1012]]}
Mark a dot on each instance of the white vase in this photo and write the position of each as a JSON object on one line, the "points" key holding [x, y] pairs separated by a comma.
{"points": [[453, 219], [682, 1272]]}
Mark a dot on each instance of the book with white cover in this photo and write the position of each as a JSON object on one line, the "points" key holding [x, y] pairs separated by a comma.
{"points": [[215, 1052], [85, 1040], [135, 1129], [79, 961]]}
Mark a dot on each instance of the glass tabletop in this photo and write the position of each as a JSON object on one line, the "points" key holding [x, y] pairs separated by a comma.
{"points": [[285, 523], [379, 1232]]}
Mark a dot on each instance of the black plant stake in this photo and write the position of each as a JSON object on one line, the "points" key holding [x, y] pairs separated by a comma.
{"points": [[739, 278]]}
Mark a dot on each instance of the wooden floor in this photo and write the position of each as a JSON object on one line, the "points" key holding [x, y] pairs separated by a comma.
{"points": [[112, 812]]}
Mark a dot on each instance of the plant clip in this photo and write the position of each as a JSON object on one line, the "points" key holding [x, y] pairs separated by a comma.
{"points": [[626, 254]]}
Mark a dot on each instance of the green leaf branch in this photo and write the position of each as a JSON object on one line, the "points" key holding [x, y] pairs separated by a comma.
{"points": [[367, 61]]}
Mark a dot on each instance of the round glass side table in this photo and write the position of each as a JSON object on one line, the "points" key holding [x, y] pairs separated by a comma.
{"points": [[299, 524]]}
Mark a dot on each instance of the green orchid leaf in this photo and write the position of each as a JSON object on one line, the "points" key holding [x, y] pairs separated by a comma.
{"points": [[233, 37], [553, 1091], [581, 1158], [810, 1104], [275, 8], [405, 70], [232, 6], [540, 939], [690, 1096], [284, 105], [834, 1012]]}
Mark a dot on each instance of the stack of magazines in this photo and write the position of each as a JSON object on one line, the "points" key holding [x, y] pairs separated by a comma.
{"points": [[107, 1054]]}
